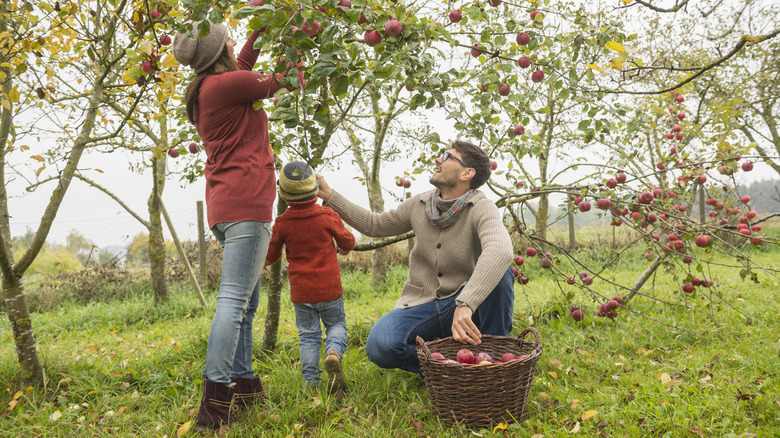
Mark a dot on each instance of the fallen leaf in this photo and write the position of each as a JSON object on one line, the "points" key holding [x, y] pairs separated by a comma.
{"points": [[746, 396], [18, 394], [418, 426], [695, 430], [553, 373], [748, 435], [602, 424], [574, 403], [55, 416], [538, 435], [664, 378], [588, 415], [500, 426], [705, 379], [183, 429], [555, 363], [575, 429]]}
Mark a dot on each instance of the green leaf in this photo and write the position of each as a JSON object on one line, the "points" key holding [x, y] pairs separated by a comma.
{"points": [[339, 88], [584, 124]]}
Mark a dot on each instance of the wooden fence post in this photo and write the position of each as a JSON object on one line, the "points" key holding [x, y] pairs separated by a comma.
{"points": [[182, 254]]}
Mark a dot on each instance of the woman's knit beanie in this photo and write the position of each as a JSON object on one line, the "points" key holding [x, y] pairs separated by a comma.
{"points": [[297, 182], [200, 53]]}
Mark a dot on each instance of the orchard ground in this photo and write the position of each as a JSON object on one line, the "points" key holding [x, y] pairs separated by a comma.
{"points": [[702, 366]]}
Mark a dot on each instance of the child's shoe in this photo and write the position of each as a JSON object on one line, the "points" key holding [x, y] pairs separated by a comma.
{"points": [[336, 381]]}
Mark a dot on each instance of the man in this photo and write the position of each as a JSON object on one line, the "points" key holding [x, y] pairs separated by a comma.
{"points": [[459, 268]]}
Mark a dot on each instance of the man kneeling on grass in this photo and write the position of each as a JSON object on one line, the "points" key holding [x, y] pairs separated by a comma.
{"points": [[460, 281]]}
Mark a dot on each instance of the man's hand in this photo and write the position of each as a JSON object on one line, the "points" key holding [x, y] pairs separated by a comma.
{"points": [[463, 328], [325, 190]]}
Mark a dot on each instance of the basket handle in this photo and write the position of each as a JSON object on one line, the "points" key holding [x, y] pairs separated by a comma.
{"points": [[424, 347], [537, 338]]}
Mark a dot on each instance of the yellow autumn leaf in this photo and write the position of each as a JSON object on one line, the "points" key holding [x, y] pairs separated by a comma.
{"points": [[128, 78], [55, 416], [183, 429], [94, 391], [18, 394], [38, 172], [589, 414], [612, 45], [169, 61], [625, 2], [664, 378], [575, 429], [38, 158], [100, 171], [500, 426], [146, 47], [5, 102], [595, 67], [616, 63], [12, 405], [13, 95], [553, 373]]}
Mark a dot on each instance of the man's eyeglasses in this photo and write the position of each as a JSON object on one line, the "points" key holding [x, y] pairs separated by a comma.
{"points": [[446, 156]]}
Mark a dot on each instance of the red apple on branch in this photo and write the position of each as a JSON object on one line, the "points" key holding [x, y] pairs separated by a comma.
{"points": [[503, 89], [394, 28], [524, 62], [455, 16], [523, 38], [372, 37]]}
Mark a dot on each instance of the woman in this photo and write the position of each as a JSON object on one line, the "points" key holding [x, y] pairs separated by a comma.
{"points": [[240, 192]]}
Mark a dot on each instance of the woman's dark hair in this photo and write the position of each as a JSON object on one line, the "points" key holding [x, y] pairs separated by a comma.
{"points": [[477, 159], [224, 63]]}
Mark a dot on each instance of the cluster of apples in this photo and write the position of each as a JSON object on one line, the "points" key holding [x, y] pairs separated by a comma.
{"points": [[676, 133], [609, 308], [522, 39], [403, 182], [467, 357], [193, 148], [691, 283]]}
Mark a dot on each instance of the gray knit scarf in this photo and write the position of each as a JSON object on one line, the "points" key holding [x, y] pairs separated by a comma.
{"points": [[451, 208]]}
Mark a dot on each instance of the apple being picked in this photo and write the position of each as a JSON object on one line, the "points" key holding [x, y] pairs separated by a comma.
{"points": [[465, 356]]}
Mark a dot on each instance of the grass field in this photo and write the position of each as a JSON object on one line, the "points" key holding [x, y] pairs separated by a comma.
{"points": [[703, 365]]}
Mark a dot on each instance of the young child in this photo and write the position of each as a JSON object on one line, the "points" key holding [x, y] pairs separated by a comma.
{"points": [[307, 230]]}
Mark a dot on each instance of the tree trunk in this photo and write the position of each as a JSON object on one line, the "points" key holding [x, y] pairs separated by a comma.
{"points": [[157, 253], [24, 336], [274, 305], [572, 238]]}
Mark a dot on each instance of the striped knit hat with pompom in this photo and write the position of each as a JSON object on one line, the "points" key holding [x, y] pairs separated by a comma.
{"points": [[297, 182]]}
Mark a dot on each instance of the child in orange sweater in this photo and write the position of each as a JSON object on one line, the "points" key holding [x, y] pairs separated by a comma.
{"points": [[307, 230]]}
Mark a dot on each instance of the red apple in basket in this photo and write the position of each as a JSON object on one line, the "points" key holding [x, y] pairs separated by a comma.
{"points": [[465, 356], [482, 357], [437, 356], [508, 357]]}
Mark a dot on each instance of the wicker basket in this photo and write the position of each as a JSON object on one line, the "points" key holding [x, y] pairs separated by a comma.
{"points": [[480, 395]]}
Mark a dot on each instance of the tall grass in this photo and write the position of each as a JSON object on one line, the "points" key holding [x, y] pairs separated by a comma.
{"points": [[704, 364]]}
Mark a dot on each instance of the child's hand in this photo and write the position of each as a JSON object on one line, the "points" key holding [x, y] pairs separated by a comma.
{"points": [[343, 251]]}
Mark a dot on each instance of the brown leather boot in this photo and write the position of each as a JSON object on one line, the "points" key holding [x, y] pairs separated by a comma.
{"points": [[247, 392], [217, 406]]}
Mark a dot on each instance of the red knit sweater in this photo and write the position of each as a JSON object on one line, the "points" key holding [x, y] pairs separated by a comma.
{"points": [[240, 174], [307, 231]]}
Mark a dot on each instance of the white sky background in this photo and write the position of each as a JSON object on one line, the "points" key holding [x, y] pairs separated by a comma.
{"points": [[101, 220]]}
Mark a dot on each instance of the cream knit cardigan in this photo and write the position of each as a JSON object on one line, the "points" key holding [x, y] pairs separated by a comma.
{"points": [[475, 251]]}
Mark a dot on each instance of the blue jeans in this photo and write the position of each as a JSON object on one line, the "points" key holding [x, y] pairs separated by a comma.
{"points": [[391, 342], [307, 318], [229, 351]]}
